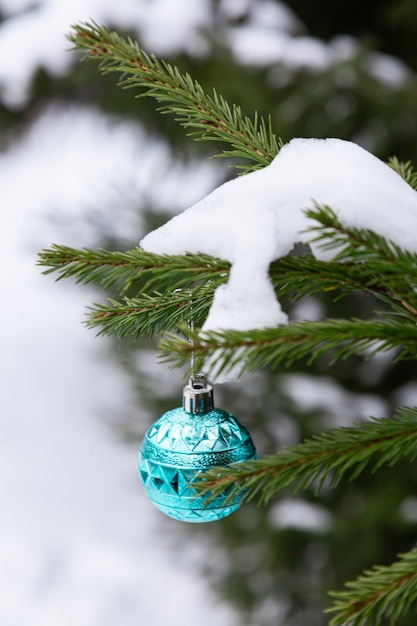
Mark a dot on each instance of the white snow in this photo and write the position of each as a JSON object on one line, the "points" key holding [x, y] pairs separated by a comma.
{"points": [[84, 167], [167, 27], [254, 219], [408, 510], [33, 36], [338, 407], [302, 515], [270, 34], [271, 14], [259, 44], [36, 38], [387, 69], [79, 542]]}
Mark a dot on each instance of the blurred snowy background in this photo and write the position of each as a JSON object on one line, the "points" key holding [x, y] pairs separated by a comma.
{"points": [[79, 543]]}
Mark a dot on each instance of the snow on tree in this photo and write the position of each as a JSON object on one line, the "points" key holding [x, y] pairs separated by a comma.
{"points": [[257, 218]]}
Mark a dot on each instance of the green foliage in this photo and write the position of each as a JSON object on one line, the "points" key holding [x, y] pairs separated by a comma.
{"points": [[327, 457], [153, 304], [208, 117], [134, 270], [162, 293], [250, 350], [148, 314], [383, 591]]}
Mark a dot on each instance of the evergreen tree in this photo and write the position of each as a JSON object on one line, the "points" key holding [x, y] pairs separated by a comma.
{"points": [[150, 301]]}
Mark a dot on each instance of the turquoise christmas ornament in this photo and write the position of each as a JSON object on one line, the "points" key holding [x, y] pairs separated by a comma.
{"points": [[186, 441]]}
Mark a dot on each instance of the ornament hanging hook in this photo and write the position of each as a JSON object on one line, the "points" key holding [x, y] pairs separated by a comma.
{"points": [[191, 341], [197, 394], [190, 323]]}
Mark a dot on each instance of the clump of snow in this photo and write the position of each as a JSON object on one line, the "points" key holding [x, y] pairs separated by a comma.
{"points": [[339, 406], [169, 27], [254, 219], [408, 510], [164, 27], [259, 46], [304, 516], [387, 69]]}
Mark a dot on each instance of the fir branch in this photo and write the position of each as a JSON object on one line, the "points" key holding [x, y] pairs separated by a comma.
{"points": [[151, 278], [286, 344], [334, 454], [134, 269], [152, 313], [357, 244], [139, 272], [381, 592], [389, 273], [306, 276], [208, 117], [394, 269]]}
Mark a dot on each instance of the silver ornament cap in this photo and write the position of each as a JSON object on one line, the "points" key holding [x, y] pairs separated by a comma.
{"points": [[197, 396]]}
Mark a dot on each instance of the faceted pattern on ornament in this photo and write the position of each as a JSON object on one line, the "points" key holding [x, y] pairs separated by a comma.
{"points": [[171, 490], [180, 432], [177, 448]]}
